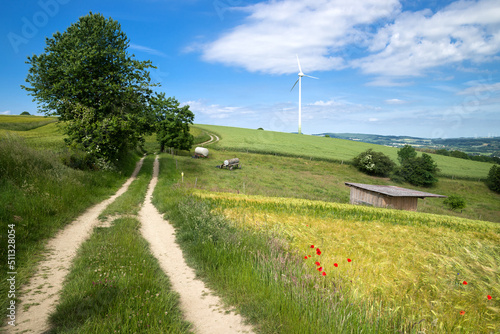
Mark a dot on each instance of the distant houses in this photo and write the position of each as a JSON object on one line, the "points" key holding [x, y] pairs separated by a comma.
{"points": [[386, 196]]}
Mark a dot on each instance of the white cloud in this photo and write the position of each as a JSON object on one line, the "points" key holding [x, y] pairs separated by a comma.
{"points": [[395, 101], [416, 42], [391, 44], [215, 111], [316, 30], [147, 50], [480, 89], [6, 112]]}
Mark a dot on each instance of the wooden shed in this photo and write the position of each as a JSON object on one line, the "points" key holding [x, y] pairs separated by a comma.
{"points": [[386, 196]]}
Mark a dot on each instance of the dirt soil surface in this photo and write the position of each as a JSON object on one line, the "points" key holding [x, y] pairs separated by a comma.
{"points": [[200, 307]]}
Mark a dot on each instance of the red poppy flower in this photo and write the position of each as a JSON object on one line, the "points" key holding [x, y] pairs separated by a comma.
{"points": [[317, 263], [349, 260], [336, 264], [318, 251], [309, 255], [305, 257], [312, 246], [462, 312], [489, 297], [465, 282], [324, 274], [320, 269]]}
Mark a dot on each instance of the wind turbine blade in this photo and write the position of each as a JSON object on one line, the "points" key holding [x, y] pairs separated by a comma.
{"points": [[294, 84], [298, 62], [310, 76]]}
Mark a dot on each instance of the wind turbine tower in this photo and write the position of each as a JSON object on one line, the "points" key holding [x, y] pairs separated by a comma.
{"points": [[299, 80]]}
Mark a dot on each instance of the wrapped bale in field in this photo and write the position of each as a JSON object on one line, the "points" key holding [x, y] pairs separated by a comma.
{"points": [[201, 152]]}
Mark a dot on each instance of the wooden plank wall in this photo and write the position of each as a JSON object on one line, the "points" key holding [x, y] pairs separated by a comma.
{"points": [[360, 196]]}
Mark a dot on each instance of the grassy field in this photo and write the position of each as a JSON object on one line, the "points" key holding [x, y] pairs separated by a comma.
{"points": [[287, 144], [24, 123], [278, 176], [397, 280]]}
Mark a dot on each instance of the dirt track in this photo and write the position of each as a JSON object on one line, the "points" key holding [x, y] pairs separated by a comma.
{"points": [[199, 305], [41, 294]]}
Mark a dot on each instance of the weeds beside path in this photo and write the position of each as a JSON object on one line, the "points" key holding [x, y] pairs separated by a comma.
{"points": [[41, 294]]}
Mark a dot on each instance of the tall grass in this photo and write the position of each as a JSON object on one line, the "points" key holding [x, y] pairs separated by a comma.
{"points": [[40, 195], [117, 286], [259, 273], [413, 265]]}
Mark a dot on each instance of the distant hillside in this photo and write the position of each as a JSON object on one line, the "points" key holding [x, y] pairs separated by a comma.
{"points": [[320, 148], [487, 146]]}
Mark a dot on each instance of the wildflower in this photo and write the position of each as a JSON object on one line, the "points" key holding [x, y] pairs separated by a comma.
{"points": [[312, 246], [465, 283], [318, 251], [309, 255], [316, 263], [320, 269], [349, 260], [462, 312], [336, 264], [305, 257], [324, 274], [489, 297]]}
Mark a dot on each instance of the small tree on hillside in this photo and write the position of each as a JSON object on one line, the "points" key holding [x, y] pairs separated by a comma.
{"points": [[493, 179], [406, 153], [374, 163], [172, 123], [419, 171]]}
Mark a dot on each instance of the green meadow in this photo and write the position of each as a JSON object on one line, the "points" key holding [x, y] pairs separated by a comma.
{"points": [[248, 233], [329, 149]]}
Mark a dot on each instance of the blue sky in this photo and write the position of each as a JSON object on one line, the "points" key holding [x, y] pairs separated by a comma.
{"points": [[418, 68]]}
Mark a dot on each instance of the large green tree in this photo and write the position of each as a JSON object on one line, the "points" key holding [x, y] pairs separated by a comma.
{"points": [[98, 90], [172, 123]]}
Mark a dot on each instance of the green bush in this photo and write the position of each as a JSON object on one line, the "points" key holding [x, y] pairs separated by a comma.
{"points": [[493, 179], [419, 171], [455, 202], [374, 163]]}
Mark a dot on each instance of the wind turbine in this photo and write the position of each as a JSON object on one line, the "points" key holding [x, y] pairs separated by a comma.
{"points": [[299, 80]]}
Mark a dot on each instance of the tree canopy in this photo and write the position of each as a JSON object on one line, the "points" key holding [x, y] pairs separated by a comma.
{"points": [[419, 171], [172, 123], [100, 92], [374, 163]]}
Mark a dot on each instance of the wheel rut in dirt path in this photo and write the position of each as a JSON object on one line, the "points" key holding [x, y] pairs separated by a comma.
{"points": [[213, 139], [200, 307], [40, 296]]}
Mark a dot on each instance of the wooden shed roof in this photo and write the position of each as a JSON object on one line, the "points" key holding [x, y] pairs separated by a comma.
{"points": [[392, 191]]}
